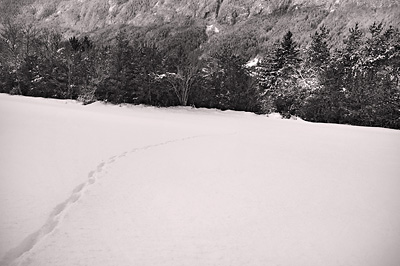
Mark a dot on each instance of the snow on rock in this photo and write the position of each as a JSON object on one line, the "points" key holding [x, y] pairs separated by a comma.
{"points": [[253, 62], [211, 29], [133, 185]]}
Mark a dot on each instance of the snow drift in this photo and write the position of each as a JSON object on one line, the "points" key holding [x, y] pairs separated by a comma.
{"points": [[111, 185]]}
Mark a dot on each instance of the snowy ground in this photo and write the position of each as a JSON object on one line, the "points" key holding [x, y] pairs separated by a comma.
{"points": [[108, 185]]}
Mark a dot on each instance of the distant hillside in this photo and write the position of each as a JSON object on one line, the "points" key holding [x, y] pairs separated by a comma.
{"points": [[264, 20], [88, 15]]}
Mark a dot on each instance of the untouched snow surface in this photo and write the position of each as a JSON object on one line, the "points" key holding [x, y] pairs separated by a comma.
{"points": [[108, 185]]}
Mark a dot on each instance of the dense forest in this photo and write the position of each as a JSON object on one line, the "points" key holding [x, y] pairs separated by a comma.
{"points": [[357, 82]]}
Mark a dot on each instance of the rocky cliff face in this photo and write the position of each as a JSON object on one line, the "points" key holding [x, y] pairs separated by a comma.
{"points": [[261, 21], [89, 15]]}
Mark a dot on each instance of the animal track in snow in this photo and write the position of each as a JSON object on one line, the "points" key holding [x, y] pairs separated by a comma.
{"points": [[21, 254]]}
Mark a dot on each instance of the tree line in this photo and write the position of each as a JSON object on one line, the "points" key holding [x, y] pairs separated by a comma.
{"points": [[357, 83]]}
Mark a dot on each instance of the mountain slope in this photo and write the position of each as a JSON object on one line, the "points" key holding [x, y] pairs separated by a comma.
{"points": [[268, 18]]}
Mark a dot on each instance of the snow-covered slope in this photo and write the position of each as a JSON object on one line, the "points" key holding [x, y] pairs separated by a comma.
{"points": [[109, 185]]}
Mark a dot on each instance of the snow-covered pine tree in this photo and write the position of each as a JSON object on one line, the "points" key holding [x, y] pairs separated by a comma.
{"points": [[120, 72], [355, 88], [381, 66], [318, 52], [278, 77], [52, 65], [340, 78], [287, 59], [234, 86], [353, 44], [148, 88], [266, 75], [313, 74]]}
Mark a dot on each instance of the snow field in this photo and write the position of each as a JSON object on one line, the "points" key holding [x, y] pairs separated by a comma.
{"points": [[108, 185]]}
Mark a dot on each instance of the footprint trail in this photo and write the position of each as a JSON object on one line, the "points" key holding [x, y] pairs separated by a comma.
{"points": [[21, 254]]}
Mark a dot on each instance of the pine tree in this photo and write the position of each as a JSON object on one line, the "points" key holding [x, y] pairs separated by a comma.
{"points": [[75, 44], [266, 73], [287, 57], [233, 85], [120, 71], [149, 87], [319, 51], [381, 65], [278, 77], [52, 68], [316, 100], [28, 72]]}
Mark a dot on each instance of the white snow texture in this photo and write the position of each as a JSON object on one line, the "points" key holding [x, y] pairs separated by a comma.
{"points": [[131, 185]]}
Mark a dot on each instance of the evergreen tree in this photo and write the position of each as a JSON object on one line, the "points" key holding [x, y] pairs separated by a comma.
{"points": [[287, 59], [131, 74], [75, 44], [319, 51], [359, 85], [356, 94], [353, 43], [150, 89], [231, 83], [315, 66], [326, 103], [267, 76], [380, 74], [28, 73], [278, 77], [52, 67], [120, 73]]}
